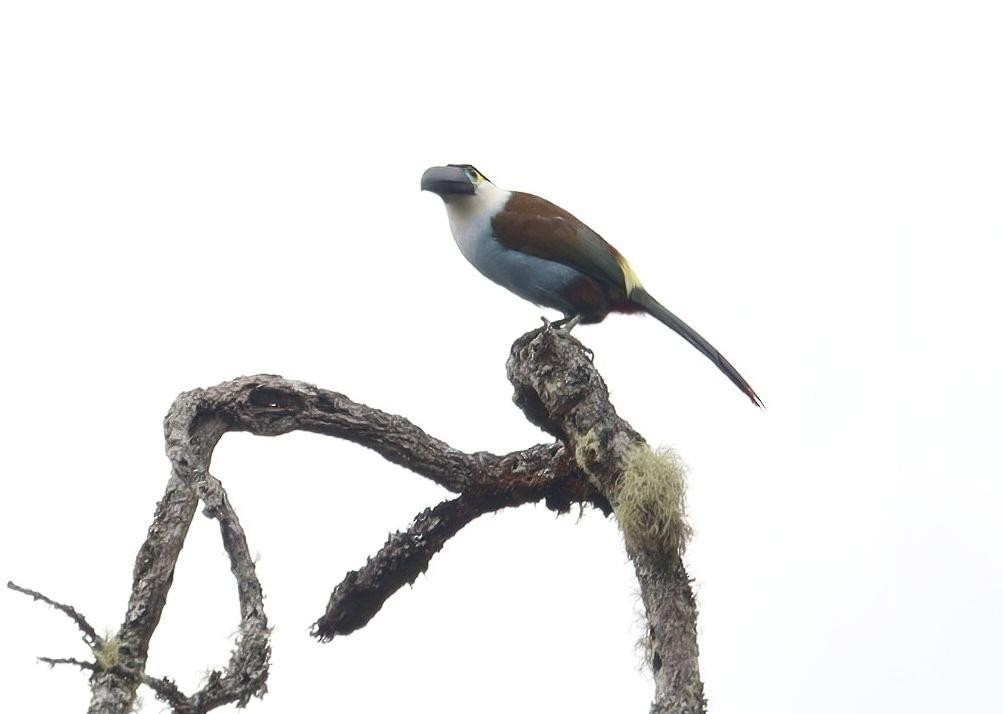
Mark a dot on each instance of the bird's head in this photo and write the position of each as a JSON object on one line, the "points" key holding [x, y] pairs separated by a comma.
{"points": [[453, 180]]}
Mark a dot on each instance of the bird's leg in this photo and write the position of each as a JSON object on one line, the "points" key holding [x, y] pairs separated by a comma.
{"points": [[567, 324], [564, 326]]}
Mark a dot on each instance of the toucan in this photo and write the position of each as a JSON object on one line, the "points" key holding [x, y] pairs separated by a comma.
{"points": [[545, 255]]}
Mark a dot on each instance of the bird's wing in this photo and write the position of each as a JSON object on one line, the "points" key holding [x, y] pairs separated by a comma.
{"points": [[533, 225]]}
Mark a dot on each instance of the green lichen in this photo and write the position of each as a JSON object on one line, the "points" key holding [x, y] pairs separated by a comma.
{"points": [[645, 645], [650, 503], [107, 653], [587, 449]]}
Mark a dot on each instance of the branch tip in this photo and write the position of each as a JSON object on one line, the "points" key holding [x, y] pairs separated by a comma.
{"points": [[90, 635]]}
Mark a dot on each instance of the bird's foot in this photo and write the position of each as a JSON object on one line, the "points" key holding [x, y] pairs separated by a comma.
{"points": [[567, 324], [564, 326]]}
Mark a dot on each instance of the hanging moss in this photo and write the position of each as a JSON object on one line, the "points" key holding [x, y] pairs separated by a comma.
{"points": [[651, 501]]}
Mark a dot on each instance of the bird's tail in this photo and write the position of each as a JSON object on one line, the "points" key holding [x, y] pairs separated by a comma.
{"points": [[641, 298]]}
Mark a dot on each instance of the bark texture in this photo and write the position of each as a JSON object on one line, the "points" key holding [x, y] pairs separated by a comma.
{"points": [[557, 388]]}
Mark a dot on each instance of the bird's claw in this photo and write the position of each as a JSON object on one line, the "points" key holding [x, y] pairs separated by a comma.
{"points": [[565, 325]]}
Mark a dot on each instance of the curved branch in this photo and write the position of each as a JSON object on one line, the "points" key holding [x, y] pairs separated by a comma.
{"points": [[268, 405], [557, 388]]}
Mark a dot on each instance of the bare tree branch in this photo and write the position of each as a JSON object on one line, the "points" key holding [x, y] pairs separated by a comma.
{"points": [[164, 688], [559, 389], [556, 387], [400, 561], [90, 636], [247, 670]]}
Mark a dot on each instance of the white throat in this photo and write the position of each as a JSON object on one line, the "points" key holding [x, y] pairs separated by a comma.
{"points": [[470, 215]]}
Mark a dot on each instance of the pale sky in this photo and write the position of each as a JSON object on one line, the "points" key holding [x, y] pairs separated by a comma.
{"points": [[194, 191]]}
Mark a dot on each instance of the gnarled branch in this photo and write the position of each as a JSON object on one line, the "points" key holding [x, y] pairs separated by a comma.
{"points": [[557, 388]]}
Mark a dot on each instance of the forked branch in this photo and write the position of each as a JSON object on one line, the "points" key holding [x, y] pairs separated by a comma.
{"points": [[557, 388]]}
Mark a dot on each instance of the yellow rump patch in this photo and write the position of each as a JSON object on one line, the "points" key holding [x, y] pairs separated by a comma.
{"points": [[630, 280]]}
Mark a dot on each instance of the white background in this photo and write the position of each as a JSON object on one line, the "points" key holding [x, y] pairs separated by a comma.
{"points": [[195, 191]]}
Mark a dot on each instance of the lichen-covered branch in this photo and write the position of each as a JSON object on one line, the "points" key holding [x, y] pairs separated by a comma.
{"points": [[164, 689], [559, 389], [399, 562], [105, 651], [598, 460]]}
